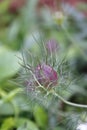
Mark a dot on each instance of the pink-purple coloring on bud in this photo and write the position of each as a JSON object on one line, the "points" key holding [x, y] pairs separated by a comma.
{"points": [[52, 46], [46, 75]]}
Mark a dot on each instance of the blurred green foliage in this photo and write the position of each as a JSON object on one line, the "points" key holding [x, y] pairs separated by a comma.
{"points": [[19, 32]]}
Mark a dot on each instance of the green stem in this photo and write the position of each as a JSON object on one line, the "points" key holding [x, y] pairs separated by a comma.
{"points": [[16, 111], [2, 93], [10, 96], [69, 103]]}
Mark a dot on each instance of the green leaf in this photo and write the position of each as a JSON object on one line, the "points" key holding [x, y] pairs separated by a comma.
{"points": [[58, 128], [4, 5], [8, 124], [6, 109], [41, 117], [24, 124], [19, 123], [8, 63]]}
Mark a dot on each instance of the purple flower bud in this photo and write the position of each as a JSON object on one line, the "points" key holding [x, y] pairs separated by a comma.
{"points": [[52, 46], [46, 75]]}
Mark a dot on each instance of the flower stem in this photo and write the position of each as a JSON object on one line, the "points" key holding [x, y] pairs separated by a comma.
{"points": [[69, 103]]}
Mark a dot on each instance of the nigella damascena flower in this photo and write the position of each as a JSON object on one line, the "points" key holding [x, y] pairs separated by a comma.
{"points": [[52, 46], [43, 70], [46, 75]]}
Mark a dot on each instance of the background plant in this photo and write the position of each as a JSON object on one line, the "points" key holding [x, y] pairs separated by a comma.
{"points": [[25, 31]]}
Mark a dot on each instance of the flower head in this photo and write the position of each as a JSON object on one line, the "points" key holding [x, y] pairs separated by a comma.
{"points": [[46, 75]]}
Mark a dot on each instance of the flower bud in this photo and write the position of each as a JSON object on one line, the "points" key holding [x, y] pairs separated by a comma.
{"points": [[52, 46], [58, 17], [46, 75]]}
